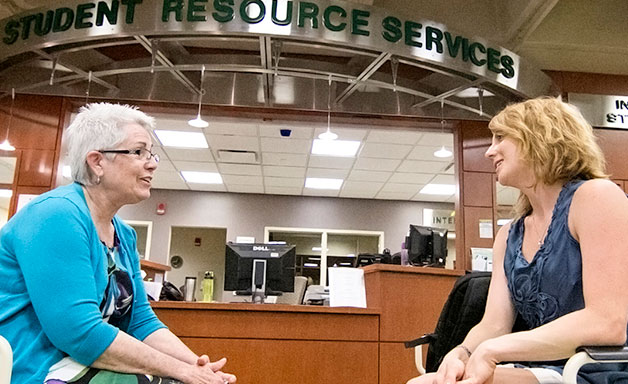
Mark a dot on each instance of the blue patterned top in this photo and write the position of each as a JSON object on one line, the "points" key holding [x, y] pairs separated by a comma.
{"points": [[550, 285]]}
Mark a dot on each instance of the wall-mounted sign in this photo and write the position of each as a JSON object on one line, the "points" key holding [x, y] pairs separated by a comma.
{"points": [[439, 218], [602, 110], [74, 21]]}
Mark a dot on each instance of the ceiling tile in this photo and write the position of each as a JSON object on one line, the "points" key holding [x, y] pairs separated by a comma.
{"points": [[370, 164], [167, 176], [285, 159], [284, 182], [189, 154], [208, 187], [239, 143], [392, 136], [361, 186], [437, 139], [278, 171], [240, 169], [394, 195], [331, 162], [283, 190], [426, 153], [242, 180], [230, 127], [411, 178], [358, 194], [327, 173], [286, 145], [449, 169], [320, 192], [432, 198], [385, 151], [170, 185], [444, 179], [273, 130], [416, 166], [245, 188], [195, 166], [375, 176], [165, 166], [398, 187]]}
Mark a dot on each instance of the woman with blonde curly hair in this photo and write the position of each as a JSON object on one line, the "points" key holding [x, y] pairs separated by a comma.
{"points": [[559, 265]]}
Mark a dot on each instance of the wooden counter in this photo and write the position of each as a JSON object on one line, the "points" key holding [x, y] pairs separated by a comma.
{"points": [[409, 300], [275, 343]]}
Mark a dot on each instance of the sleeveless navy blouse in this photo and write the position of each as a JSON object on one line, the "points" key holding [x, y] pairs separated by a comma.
{"points": [[550, 285]]}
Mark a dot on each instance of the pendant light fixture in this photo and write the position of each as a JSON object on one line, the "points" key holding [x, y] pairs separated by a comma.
{"points": [[328, 134], [442, 152], [198, 122], [5, 145]]}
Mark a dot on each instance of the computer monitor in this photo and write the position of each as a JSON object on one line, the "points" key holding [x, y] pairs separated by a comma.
{"points": [[427, 246], [259, 269]]}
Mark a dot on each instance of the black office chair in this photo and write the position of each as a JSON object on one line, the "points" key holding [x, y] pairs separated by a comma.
{"points": [[464, 308]]}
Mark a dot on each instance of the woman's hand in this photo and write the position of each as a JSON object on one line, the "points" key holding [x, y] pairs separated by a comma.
{"points": [[216, 367], [480, 367], [452, 367]]}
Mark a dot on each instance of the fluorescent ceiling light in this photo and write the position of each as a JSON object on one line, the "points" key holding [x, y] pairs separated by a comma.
{"points": [[202, 177], [439, 189], [66, 171], [317, 249], [6, 193], [340, 148], [6, 146], [501, 222], [320, 183], [181, 139]]}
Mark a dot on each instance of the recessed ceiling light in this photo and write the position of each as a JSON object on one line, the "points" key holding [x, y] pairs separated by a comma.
{"points": [[339, 148], [182, 139], [438, 189], [6, 193], [198, 122], [202, 177], [321, 183]]}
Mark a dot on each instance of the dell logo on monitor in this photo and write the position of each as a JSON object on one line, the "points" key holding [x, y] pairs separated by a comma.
{"points": [[260, 248]]}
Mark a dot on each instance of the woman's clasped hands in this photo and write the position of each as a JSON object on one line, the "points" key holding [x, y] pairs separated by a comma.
{"points": [[207, 372]]}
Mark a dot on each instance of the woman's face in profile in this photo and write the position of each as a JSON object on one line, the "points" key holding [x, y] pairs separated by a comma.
{"points": [[507, 161], [129, 176]]}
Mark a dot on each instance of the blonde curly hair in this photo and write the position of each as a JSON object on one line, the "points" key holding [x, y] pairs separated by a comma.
{"points": [[554, 139]]}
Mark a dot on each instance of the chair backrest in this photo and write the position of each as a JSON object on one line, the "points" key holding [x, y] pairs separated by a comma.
{"points": [[463, 309], [6, 361], [296, 297]]}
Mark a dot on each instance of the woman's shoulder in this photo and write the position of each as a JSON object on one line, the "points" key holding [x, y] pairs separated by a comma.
{"points": [[598, 189]]}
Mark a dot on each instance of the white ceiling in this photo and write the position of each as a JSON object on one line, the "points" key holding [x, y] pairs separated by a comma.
{"points": [[392, 164]]}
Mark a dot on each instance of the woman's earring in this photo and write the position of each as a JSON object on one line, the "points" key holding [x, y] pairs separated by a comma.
{"points": [[97, 180]]}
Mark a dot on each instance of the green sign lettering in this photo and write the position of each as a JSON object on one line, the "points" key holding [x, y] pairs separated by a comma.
{"points": [[244, 7], [392, 29], [104, 11], [474, 58], [288, 18], [359, 18], [193, 7], [327, 18], [411, 31], [43, 25], [433, 36], [59, 24], [308, 11], [172, 6], [82, 13], [224, 11], [130, 9]]}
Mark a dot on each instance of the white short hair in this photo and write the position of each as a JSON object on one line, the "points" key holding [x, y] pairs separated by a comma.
{"points": [[100, 126]]}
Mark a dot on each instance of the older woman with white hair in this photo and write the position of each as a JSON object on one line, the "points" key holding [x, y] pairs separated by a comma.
{"points": [[72, 301]]}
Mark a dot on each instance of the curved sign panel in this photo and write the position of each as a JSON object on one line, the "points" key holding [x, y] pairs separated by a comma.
{"points": [[336, 22]]}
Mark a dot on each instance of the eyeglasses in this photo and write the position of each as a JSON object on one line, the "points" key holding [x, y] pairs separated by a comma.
{"points": [[142, 153]]}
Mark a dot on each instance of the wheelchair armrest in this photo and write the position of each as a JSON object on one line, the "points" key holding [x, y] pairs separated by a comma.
{"points": [[606, 353], [588, 354], [425, 339]]}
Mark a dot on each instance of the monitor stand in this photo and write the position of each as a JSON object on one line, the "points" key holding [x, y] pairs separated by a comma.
{"points": [[258, 290]]}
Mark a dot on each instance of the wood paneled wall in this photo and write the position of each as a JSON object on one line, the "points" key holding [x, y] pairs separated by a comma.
{"points": [[35, 131]]}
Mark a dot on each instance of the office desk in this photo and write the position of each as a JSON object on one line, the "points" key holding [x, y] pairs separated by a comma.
{"points": [[290, 344], [280, 344]]}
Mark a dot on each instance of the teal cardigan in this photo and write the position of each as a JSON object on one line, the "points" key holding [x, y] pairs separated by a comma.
{"points": [[53, 274]]}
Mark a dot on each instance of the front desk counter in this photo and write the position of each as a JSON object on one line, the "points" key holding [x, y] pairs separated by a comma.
{"points": [[275, 343]]}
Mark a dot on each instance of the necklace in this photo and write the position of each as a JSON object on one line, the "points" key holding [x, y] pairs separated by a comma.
{"points": [[540, 236]]}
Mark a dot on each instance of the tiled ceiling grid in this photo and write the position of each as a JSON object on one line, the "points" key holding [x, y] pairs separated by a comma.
{"points": [[391, 164]]}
